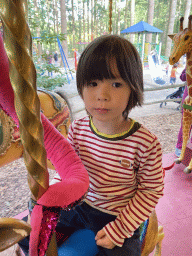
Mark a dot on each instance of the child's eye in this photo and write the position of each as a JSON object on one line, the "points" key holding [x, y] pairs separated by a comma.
{"points": [[116, 85], [92, 84]]}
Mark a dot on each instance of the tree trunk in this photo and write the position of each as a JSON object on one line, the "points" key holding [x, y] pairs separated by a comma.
{"points": [[88, 29], [187, 13], [164, 37], [38, 30], [73, 24], [95, 17], [132, 20], [64, 26], [83, 20], [56, 16], [114, 20], [79, 18], [126, 13], [170, 27], [150, 22], [54, 22], [92, 18], [118, 19]]}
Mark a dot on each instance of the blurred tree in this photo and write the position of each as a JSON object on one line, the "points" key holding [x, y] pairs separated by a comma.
{"points": [[170, 27], [151, 4]]}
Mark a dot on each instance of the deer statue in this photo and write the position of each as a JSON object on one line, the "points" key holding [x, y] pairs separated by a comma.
{"points": [[183, 45]]}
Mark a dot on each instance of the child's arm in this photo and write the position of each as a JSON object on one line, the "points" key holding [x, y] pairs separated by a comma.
{"points": [[139, 208]]}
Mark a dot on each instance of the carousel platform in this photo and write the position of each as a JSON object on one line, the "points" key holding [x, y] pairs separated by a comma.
{"points": [[174, 211]]}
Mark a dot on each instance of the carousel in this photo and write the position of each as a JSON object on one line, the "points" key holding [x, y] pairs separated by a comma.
{"points": [[25, 128]]}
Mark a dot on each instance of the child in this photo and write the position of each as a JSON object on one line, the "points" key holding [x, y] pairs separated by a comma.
{"points": [[173, 74], [167, 69], [123, 159]]}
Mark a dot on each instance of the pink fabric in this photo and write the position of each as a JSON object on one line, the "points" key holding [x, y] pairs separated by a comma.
{"points": [[75, 180], [183, 75], [36, 218]]}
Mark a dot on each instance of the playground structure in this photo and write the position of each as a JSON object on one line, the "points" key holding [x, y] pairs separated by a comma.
{"points": [[142, 28], [183, 45], [63, 58], [153, 235], [154, 57]]}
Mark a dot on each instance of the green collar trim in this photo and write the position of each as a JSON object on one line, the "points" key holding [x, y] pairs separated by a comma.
{"points": [[187, 107]]}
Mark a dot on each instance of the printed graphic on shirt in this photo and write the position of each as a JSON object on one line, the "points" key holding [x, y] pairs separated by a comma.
{"points": [[125, 163]]}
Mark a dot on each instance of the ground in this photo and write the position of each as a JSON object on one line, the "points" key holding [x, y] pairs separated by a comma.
{"points": [[14, 191]]}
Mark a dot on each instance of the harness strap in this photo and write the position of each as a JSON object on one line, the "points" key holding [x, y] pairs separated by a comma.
{"points": [[187, 107]]}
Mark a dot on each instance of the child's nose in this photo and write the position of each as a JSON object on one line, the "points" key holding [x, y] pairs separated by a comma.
{"points": [[103, 94]]}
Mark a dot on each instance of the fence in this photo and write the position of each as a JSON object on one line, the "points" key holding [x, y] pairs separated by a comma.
{"points": [[158, 88]]}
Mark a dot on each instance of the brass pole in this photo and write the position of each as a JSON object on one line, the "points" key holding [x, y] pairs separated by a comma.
{"points": [[18, 45]]}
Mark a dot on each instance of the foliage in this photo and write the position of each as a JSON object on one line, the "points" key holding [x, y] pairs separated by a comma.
{"points": [[46, 81], [87, 19]]}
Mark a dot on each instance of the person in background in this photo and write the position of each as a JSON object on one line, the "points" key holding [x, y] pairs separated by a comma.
{"points": [[173, 74], [167, 69], [55, 56], [49, 62]]}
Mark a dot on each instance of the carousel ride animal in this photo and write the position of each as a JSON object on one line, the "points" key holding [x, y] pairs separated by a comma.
{"points": [[183, 45], [56, 108]]}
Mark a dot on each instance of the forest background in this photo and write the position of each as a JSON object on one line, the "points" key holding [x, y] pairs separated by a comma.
{"points": [[80, 21], [77, 22]]}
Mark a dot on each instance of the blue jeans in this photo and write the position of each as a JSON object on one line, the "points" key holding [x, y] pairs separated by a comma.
{"points": [[86, 217]]}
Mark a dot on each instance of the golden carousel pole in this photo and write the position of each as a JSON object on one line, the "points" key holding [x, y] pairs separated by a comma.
{"points": [[110, 16], [18, 45]]}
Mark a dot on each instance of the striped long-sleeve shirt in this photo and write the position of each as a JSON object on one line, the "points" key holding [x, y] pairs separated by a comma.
{"points": [[125, 171]]}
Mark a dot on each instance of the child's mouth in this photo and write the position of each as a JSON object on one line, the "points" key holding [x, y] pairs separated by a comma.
{"points": [[102, 110]]}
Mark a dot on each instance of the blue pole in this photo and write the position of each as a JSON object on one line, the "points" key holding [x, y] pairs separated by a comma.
{"points": [[61, 51], [65, 57]]}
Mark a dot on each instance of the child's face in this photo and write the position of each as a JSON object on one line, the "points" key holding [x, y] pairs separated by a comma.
{"points": [[107, 99]]}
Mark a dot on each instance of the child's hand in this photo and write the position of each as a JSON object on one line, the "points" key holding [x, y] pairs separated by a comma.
{"points": [[102, 240]]}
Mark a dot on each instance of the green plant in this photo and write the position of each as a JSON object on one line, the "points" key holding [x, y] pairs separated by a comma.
{"points": [[46, 81]]}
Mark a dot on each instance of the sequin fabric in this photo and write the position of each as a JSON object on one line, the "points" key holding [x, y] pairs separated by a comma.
{"points": [[48, 226]]}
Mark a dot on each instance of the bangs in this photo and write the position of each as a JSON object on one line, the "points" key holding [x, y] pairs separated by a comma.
{"points": [[97, 67]]}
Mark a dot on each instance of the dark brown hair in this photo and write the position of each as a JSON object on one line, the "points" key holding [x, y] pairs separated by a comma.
{"points": [[95, 63]]}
